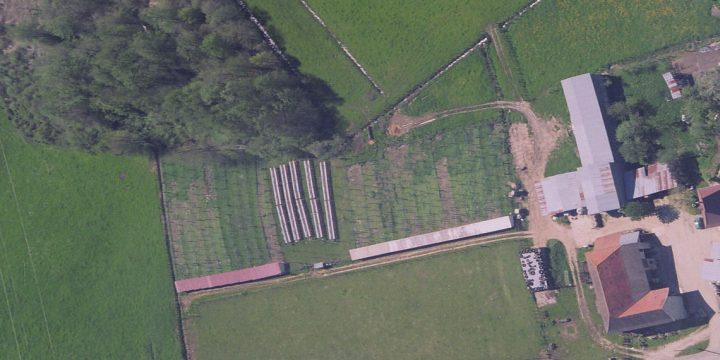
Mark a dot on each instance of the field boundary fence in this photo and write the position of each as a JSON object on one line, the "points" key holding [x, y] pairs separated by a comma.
{"points": [[171, 259]]}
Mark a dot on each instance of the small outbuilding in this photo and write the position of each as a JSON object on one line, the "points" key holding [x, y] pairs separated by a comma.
{"points": [[709, 198]]}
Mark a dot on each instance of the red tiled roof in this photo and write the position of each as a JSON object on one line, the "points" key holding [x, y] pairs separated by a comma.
{"points": [[710, 205], [615, 284], [603, 248], [652, 301]]}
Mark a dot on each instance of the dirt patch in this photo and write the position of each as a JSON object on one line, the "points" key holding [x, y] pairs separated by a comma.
{"points": [[450, 213], [16, 11], [545, 298], [400, 124], [714, 11], [569, 330], [696, 63]]}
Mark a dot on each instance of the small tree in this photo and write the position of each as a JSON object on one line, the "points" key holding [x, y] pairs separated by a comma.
{"points": [[637, 210], [637, 140], [685, 170]]}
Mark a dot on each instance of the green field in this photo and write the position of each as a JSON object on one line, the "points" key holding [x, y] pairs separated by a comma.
{"points": [[318, 55], [470, 82], [215, 220], [461, 305], [562, 38], [564, 158], [400, 45], [84, 268]]}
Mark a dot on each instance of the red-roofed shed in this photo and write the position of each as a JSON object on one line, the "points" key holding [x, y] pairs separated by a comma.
{"points": [[231, 277], [710, 205]]}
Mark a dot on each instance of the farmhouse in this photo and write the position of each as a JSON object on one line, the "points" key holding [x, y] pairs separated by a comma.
{"points": [[620, 266], [710, 205], [600, 184]]}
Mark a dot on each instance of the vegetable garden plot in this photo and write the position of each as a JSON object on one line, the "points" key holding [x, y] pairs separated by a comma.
{"points": [[397, 193], [215, 222]]}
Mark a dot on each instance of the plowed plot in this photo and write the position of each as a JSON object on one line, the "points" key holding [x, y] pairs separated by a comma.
{"points": [[215, 217]]}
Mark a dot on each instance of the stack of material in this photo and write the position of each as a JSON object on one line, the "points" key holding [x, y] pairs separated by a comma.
{"points": [[290, 202]]}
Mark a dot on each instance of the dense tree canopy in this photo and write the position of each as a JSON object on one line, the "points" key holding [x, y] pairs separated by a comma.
{"points": [[117, 74]]}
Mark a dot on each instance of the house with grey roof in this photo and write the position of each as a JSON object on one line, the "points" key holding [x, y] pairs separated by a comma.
{"points": [[599, 185]]}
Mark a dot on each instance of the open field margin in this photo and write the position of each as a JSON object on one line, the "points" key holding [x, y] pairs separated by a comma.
{"points": [[187, 299], [168, 244]]}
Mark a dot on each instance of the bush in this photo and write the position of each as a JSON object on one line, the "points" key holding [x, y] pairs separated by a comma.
{"points": [[637, 210]]}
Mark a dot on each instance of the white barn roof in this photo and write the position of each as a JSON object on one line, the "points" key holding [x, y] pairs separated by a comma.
{"points": [[437, 237], [583, 97], [559, 193], [711, 266], [599, 187]]}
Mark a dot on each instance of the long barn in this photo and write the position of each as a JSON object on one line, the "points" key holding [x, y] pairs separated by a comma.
{"points": [[433, 238], [232, 277]]}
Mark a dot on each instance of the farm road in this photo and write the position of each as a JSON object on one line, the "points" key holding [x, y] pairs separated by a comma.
{"points": [[502, 57]]}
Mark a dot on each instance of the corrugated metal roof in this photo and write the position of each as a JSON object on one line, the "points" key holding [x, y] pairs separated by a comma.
{"points": [[598, 185], [648, 180], [231, 277], [437, 237], [559, 193], [586, 115]]}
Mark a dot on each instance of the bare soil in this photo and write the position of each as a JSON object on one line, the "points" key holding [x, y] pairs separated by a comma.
{"points": [[696, 63], [16, 11]]}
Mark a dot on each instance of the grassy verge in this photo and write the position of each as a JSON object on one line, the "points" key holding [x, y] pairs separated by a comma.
{"points": [[559, 265], [694, 349], [564, 158], [460, 305], [468, 83], [84, 268], [574, 37]]}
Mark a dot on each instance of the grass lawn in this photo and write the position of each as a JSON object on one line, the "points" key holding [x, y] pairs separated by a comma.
{"points": [[572, 339], [214, 215], [562, 38], [98, 282], [468, 83], [462, 305], [318, 55], [564, 158]]}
